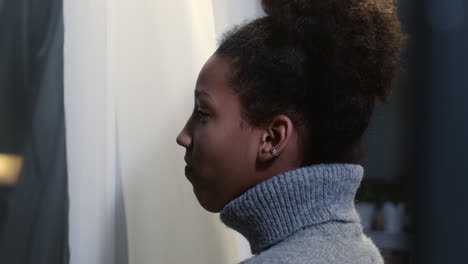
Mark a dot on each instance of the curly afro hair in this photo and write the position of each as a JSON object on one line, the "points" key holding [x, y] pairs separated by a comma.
{"points": [[324, 63]]}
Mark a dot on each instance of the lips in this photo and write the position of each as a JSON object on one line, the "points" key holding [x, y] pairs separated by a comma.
{"points": [[188, 173], [188, 168], [187, 160]]}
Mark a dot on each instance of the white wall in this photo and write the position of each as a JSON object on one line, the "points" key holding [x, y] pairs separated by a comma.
{"points": [[156, 50], [130, 69], [95, 233], [228, 13]]}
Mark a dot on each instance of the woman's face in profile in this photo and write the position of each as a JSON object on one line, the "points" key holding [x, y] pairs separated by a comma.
{"points": [[221, 148]]}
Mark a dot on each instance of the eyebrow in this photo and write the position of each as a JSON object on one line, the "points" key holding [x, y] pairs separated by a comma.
{"points": [[200, 93]]}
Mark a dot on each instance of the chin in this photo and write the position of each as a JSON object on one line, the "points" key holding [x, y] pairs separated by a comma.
{"points": [[208, 202], [212, 209]]}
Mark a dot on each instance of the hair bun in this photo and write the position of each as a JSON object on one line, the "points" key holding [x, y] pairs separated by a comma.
{"points": [[346, 33], [299, 16]]}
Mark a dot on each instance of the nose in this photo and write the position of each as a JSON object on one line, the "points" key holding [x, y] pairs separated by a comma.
{"points": [[184, 138]]}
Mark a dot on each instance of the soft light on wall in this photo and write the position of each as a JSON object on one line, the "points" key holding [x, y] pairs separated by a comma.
{"points": [[10, 167]]}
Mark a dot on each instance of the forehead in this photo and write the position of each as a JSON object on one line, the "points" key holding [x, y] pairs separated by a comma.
{"points": [[213, 80]]}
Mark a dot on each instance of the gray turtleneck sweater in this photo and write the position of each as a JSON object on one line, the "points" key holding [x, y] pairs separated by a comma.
{"points": [[306, 215]]}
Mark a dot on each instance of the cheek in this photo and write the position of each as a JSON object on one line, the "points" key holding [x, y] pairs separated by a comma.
{"points": [[222, 172], [222, 155], [211, 155]]}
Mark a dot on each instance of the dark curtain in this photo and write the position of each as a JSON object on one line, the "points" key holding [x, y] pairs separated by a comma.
{"points": [[34, 224], [439, 100]]}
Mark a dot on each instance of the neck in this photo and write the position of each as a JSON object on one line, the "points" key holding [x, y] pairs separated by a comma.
{"points": [[293, 200]]}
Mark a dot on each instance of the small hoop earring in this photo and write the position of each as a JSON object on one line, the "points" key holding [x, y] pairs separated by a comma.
{"points": [[274, 152]]}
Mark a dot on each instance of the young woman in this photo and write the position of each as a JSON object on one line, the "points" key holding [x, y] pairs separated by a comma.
{"points": [[280, 110]]}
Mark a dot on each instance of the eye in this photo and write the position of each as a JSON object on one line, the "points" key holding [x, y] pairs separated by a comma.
{"points": [[201, 115]]}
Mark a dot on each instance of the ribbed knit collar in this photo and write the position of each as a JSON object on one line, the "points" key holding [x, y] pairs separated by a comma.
{"points": [[308, 196]]}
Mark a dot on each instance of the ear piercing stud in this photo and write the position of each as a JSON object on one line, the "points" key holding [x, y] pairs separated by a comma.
{"points": [[274, 152]]}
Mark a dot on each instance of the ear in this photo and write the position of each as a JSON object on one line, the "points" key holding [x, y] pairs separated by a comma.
{"points": [[276, 134]]}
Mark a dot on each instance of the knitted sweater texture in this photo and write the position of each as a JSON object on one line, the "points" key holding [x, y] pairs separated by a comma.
{"points": [[306, 215]]}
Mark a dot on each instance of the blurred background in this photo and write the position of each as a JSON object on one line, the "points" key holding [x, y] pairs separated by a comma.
{"points": [[93, 94]]}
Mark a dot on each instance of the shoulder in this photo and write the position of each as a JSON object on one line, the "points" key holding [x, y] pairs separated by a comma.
{"points": [[303, 248]]}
